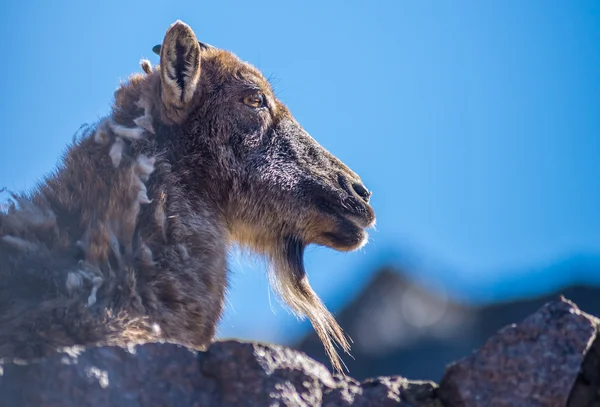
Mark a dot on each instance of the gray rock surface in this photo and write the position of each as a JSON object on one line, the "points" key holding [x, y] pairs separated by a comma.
{"points": [[550, 359], [534, 363], [229, 373]]}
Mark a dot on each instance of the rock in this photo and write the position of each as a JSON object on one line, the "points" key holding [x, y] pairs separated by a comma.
{"points": [[229, 373], [151, 375], [534, 363], [552, 358], [382, 391]]}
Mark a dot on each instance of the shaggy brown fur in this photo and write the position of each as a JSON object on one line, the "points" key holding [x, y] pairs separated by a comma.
{"points": [[126, 242]]}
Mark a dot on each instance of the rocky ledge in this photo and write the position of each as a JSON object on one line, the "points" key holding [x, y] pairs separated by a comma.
{"points": [[552, 358]]}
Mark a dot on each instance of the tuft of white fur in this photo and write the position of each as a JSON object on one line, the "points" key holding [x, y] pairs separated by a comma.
{"points": [[76, 278], [182, 249], [146, 254], [129, 133], [145, 166], [96, 283], [145, 122], [144, 103], [102, 135], [146, 66], [116, 152], [19, 244], [74, 281], [113, 242], [160, 217], [142, 196]]}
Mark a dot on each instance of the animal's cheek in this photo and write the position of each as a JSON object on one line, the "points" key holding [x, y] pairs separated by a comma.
{"points": [[252, 141], [250, 122], [258, 124], [266, 118]]}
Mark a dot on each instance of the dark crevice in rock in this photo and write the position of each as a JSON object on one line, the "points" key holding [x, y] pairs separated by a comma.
{"points": [[586, 391]]}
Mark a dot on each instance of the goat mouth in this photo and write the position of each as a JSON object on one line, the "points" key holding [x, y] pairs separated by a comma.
{"points": [[350, 219], [359, 213]]}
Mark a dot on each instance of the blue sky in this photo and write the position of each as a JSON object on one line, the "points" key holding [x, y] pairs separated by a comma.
{"points": [[475, 124]]}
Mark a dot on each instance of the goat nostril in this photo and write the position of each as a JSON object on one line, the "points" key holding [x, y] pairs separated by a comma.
{"points": [[363, 192], [354, 188]]}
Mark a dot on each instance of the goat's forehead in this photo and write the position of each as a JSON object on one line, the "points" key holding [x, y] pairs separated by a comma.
{"points": [[229, 65]]}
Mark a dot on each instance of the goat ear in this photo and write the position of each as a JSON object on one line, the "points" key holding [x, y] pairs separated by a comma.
{"points": [[179, 69]]}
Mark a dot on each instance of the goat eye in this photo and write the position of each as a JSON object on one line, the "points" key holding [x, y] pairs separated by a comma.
{"points": [[256, 100]]}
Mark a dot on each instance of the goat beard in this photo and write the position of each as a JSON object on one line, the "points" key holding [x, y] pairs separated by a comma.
{"points": [[289, 280]]}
